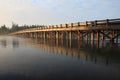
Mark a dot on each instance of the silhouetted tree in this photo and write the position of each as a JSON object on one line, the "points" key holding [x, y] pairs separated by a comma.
{"points": [[4, 30], [16, 27]]}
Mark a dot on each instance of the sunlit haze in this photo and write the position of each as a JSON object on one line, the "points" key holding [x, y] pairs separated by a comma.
{"points": [[47, 12]]}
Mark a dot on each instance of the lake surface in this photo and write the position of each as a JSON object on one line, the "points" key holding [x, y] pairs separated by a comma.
{"points": [[35, 59]]}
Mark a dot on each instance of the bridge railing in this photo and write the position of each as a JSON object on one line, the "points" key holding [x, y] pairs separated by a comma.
{"points": [[97, 23], [103, 23], [76, 24]]}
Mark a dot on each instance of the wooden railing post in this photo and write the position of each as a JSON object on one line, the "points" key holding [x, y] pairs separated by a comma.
{"points": [[95, 23], [71, 24], [66, 25], [46, 27], [92, 23], [52, 26], [107, 22], [61, 25], [57, 26], [78, 24], [86, 23], [49, 26]]}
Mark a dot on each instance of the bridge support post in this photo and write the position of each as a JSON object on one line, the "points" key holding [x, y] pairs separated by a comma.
{"points": [[31, 35], [57, 38], [117, 37], [98, 39], [44, 35], [24, 34], [57, 35], [112, 37], [36, 35], [70, 35], [70, 38], [57, 43], [40, 35], [98, 36], [79, 36], [102, 37], [27, 35], [67, 36], [92, 38], [87, 37]]}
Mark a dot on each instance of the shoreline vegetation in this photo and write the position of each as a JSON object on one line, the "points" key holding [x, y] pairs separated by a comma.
{"points": [[15, 27]]}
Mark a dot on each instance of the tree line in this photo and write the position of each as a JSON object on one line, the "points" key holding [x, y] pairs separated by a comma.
{"points": [[16, 27]]}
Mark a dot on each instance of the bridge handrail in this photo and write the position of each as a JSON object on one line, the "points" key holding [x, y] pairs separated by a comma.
{"points": [[96, 23]]}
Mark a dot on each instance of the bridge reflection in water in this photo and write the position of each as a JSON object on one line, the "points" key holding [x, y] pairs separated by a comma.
{"points": [[105, 53], [52, 59]]}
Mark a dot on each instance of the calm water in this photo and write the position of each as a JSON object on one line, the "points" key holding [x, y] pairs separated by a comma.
{"points": [[34, 59]]}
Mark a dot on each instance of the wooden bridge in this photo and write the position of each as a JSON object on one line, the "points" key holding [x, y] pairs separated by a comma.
{"points": [[90, 30]]}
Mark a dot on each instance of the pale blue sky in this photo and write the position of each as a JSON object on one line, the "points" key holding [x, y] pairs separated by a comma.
{"points": [[56, 11]]}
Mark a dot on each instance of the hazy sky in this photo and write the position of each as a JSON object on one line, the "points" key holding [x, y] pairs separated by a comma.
{"points": [[56, 11]]}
